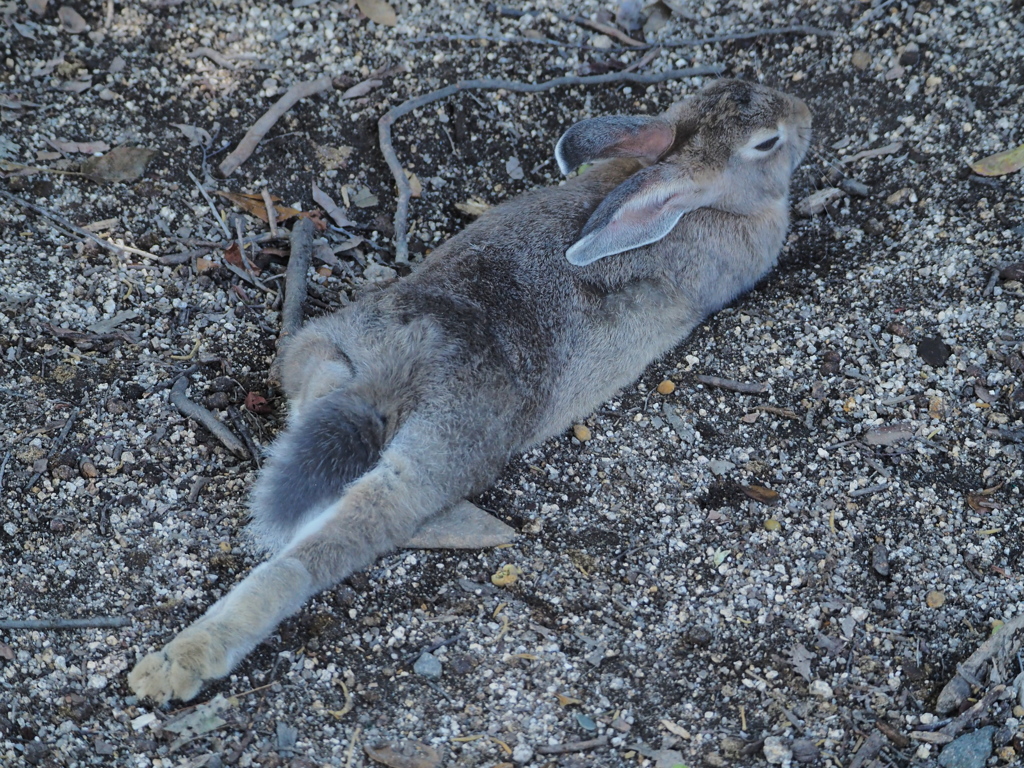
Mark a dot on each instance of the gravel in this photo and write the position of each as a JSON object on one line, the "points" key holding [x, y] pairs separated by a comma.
{"points": [[653, 603]]}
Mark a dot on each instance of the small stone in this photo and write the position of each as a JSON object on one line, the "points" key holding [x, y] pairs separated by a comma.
{"points": [[898, 196], [771, 524], [935, 599], [805, 751], [776, 751], [821, 689], [861, 59], [667, 387], [880, 559], [427, 666], [97, 681], [715, 760], [854, 187], [910, 56], [522, 754], [1007, 754], [933, 351], [620, 725], [969, 751], [582, 432], [720, 467], [1018, 711], [732, 746], [87, 469]]}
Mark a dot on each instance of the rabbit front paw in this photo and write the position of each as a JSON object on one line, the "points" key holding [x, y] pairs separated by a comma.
{"points": [[179, 670]]}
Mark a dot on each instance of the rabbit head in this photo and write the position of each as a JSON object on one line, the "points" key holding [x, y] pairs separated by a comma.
{"points": [[733, 146]]}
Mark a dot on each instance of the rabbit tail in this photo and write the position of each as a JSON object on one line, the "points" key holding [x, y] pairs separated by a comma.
{"points": [[334, 441]]}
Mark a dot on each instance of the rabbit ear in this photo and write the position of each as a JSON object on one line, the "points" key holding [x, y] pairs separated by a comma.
{"points": [[641, 210], [614, 136]]}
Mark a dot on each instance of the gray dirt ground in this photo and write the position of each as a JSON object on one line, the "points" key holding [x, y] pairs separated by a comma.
{"points": [[658, 606]]}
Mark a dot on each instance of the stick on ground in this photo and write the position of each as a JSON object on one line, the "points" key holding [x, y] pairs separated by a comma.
{"points": [[55, 447], [179, 399], [260, 128], [736, 386], [575, 746], [389, 118], [294, 291], [99, 622], [58, 219]]}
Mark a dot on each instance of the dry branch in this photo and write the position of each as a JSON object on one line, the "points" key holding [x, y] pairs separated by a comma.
{"points": [[736, 386], [58, 219], [55, 447], [260, 128], [294, 290], [575, 746], [187, 408], [99, 622], [389, 118]]}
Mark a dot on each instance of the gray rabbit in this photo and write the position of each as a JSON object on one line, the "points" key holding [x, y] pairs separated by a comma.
{"points": [[417, 395]]}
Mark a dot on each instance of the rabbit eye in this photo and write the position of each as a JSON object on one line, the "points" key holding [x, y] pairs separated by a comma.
{"points": [[764, 146]]}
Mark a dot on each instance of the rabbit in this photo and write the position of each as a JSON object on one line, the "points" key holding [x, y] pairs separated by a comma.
{"points": [[417, 395]]}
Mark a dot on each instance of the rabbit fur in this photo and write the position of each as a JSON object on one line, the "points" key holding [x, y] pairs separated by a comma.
{"points": [[417, 395]]}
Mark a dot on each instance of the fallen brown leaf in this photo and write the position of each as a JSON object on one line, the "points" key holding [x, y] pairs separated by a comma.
{"points": [[253, 204], [1001, 163], [404, 754], [257, 403], [760, 494], [83, 147], [119, 164]]}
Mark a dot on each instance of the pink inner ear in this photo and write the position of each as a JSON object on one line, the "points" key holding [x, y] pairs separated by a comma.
{"points": [[650, 143]]}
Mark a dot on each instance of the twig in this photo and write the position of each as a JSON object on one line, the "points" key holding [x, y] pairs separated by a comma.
{"points": [[389, 118], [213, 207], [3, 468], [785, 413], [216, 57], [260, 128], [243, 430], [746, 388], [868, 490], [573, 746], [352, 746], [294, 290], [798, 29], [869, 749], [56, 445], [56, 217], [179, 399], [604, 29], [173, 259], [98, 622], [977, 710], [271, 211]]}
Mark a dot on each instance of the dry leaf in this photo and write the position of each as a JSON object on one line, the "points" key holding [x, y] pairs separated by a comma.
{"points": [[405, 754], [678, 730], [760, 494], [38, 7], [378, 11], [333, 158], [198, 137], [1000, 163], [75, 86], [84, 147], [415, 185], [331, 208], [119, 164], [253, 204], [257, 403], [71, 20], [473, 207], [506, 575], [362, 197], [203, 264], [980, 503], [46, 68]]}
